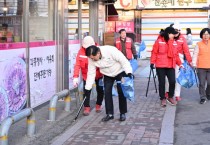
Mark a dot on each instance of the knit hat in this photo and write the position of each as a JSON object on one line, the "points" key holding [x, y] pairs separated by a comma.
{"points": [[88, 41], [170, 30]]}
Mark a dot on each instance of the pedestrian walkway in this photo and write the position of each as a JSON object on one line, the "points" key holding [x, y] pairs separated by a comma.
{"points": [[147, 123]]}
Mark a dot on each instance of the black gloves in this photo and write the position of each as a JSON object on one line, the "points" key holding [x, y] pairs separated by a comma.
{"points": [[87, 92], [130, 75], [135, 56], [152, 66]]}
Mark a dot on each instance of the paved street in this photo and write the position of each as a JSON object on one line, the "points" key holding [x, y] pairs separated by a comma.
{"points": [[192, 124]]}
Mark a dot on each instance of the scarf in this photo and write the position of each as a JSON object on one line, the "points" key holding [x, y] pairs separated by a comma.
{"points": [[170, 48]]}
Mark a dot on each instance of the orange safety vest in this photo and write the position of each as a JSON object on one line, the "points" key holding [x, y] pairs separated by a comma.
{"points": [[203, 60], [128, 45]]}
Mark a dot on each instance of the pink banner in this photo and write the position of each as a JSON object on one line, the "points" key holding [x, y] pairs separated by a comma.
{"points": [[128, 26], [4, 46], [41, 43], [74, 41], [110, 26]]}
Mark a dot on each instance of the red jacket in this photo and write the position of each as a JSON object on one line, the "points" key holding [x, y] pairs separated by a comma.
{"points": [[82, 63], [164, 54], [128, 45], [183, 48]]}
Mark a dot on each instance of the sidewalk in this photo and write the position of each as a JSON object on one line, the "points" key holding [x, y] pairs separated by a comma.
{"points": [[147, 123]]}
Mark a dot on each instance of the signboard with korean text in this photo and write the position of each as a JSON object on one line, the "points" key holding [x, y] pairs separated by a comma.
{"points": [[172, 3], [12, 78], [110, 26], [128, 26], [42, 71]]}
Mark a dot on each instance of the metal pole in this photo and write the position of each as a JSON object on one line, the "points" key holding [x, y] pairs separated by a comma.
{"points": [[148, 82], [67, 103], [31, 123], [6, 124], [54, 100], [52, 108], [80, 20], [154, 80], [80, 108]]}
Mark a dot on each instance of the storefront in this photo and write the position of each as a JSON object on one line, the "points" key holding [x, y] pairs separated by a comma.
{"points": [[151, 16], [39, 47], [34, 53], [187, 14]]}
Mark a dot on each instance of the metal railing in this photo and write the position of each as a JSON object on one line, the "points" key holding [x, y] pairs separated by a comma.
{"points": [[53, 103], [5, 125]]}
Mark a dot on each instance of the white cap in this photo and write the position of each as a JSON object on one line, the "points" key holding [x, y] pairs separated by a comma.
{"points": [[88, 41], [177, 26]]}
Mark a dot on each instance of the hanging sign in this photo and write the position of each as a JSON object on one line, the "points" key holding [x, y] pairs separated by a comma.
{"points": [[128, 26]]}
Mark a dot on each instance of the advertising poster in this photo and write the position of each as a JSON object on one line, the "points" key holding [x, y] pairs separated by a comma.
{"points": [[110, 26], [74, 46], [128, 26], [12, 78], [42, 65]]}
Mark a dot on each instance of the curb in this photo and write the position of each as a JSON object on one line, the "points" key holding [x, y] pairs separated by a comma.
{"points": [[60, 140], [167, 128]]}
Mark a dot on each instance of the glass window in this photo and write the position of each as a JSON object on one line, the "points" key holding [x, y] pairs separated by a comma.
{"points": [[11, 21], [40, 20]]}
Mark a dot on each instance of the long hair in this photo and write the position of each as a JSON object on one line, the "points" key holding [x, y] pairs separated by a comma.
{"points": [[188, 31], [165, 36]]}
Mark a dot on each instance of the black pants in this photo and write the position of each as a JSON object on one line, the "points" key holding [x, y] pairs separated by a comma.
{"points": [[162, 73], [100, 94], [204, 82], [108, 84]]}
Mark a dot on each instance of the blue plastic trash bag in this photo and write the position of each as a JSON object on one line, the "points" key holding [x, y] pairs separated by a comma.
{"points": [[134, 64], [142, 47], [187, 77], [101, 82], [114, 92], [128, 88]]}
